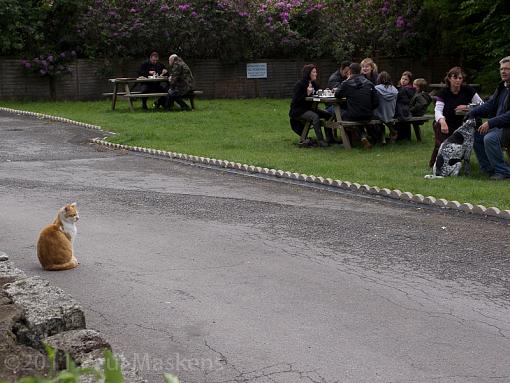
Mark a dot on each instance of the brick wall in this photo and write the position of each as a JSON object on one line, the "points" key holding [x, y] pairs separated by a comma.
{"points": [[216, 79]]}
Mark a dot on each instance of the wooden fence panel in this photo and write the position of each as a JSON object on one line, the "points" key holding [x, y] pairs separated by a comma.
{"points": [[216, 79]]}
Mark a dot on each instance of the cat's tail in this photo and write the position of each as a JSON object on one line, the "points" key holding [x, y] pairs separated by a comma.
{"points": [[63, 266]]}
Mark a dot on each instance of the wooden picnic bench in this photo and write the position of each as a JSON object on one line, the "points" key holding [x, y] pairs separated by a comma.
{"points": [[128, 93], [336, 122]]}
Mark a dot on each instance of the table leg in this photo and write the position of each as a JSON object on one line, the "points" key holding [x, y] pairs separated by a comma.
{"points": [[128, 92], [343, 133], [114, 96], [306, 128]]}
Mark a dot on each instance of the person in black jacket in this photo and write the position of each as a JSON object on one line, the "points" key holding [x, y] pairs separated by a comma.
{"points": [[152, 67], [402, 111], [495, 132], [361, 100], [301, 110]]}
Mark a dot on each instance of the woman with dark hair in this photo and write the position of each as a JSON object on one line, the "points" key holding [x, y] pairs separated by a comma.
{"points": [[455, 96], [301, 110]]}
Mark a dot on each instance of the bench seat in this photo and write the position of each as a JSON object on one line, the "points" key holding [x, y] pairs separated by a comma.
{"points": [[133, 95]]}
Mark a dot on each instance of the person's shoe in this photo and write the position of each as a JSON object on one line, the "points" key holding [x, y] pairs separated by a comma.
{"points": [[305, 143], [499, 177], [366, 144]]}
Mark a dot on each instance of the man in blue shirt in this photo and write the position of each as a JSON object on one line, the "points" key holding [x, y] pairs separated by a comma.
{"points": [[493, 133]]}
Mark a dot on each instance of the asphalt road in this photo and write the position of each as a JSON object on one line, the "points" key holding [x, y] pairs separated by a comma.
{"points": [[221, 277]]}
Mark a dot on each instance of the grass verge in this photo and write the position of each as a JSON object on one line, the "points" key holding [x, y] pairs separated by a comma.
{"points": [[257, 132]]}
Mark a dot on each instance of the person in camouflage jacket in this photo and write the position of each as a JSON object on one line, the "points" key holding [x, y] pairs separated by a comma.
{"points": [[181, 82]]}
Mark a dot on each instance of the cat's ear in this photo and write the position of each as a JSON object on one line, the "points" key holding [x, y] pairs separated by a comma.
{"points": [[73, 204]]}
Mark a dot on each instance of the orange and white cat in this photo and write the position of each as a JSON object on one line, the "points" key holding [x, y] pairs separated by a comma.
{"points": [[55, 243]]}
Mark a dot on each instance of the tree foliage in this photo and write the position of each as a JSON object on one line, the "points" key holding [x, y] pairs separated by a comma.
{"points": [[475, 32]]}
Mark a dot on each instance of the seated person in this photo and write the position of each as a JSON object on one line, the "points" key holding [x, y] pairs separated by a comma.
{"points": [[181, 82], [494, 133], [339, 76], [152, 67], [387, 101], [369, 70], [402, 112], [419, 104], [301, 110], [456, 95], [361, 100]]}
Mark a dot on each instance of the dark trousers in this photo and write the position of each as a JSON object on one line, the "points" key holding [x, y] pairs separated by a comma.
{"points": [[315, 118], [175, 96], [439, 137], [153, 88]]}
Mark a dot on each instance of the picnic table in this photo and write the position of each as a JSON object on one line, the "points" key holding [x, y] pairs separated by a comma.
{"points": [[130, 82], [331, 124], [336, 122]]}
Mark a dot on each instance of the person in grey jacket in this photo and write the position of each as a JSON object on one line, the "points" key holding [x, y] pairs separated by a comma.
{"points": [[387, 102], [495, 132]]}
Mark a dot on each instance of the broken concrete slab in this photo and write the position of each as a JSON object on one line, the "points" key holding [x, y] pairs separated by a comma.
{"points": [[48, 310], [78, 344]]}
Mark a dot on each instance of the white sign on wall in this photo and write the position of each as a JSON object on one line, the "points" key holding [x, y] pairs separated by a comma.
{"points": [[256, 70]]}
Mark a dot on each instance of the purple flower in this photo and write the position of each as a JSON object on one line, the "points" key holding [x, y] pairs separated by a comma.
{"points": [[27, 65], [184, 7], [400, 22], [194, 14], [243, 14], [50, 58], [164, 8]]}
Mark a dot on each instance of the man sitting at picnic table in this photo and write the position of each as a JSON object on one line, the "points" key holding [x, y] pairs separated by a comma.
{"points": [[339, 76], [361, 100], [180, 83], [152, 67]]}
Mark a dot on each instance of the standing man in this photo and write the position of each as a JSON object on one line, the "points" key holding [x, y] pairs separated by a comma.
{"points": [[495, 132], [181, 82], [152, 67]]}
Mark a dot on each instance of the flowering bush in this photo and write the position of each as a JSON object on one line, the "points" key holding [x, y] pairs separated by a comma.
{"points": [[372, 27], [50, 65], [234, 30]]}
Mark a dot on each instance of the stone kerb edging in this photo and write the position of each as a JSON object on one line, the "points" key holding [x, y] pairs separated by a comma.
{"points": [[55, 118], [346, 185]]}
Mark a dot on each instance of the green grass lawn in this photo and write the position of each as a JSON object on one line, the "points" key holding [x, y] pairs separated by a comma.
{"points": [[257, 132]]}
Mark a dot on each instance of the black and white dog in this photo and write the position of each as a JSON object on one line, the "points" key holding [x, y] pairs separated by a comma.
{"points": [[454, 150]]}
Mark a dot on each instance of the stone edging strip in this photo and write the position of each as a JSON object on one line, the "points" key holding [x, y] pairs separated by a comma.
{"points": [[345, 185]]}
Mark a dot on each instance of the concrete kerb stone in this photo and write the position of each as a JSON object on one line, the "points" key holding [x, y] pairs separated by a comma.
{"points": [[346, 185]]}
